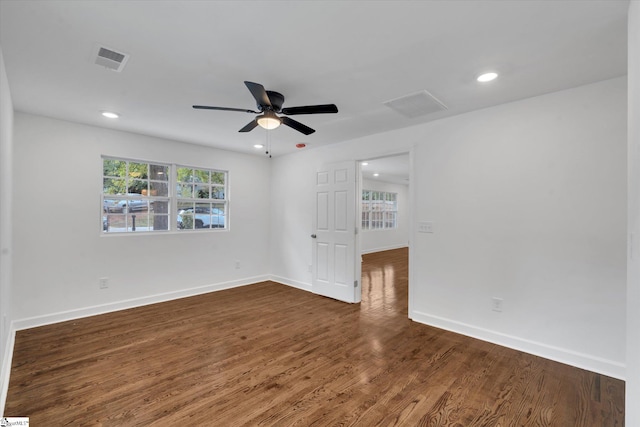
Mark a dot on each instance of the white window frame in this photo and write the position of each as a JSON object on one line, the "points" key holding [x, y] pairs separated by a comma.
{"points": [[211, 213], [380, 213], [172, 198]]}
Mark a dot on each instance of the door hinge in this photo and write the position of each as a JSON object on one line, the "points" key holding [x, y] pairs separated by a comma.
{"points": [[355, 283]]}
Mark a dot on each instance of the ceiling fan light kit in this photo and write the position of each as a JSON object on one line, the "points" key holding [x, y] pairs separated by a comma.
{"points": [[269, 104], [268, 120]]}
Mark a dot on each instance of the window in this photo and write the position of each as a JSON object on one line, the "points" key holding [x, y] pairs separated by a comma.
{"points": [[201, 198], [379, 210], [136, 197]]}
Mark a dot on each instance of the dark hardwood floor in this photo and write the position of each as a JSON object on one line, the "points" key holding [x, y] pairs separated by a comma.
{"points": [[268, 354]]}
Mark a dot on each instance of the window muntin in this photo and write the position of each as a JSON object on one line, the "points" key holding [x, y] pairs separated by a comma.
{"points": [[379, 210], [136, 197]]}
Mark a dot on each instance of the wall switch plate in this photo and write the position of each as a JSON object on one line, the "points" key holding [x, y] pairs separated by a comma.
{"points": [[103, 282], [496, 304], [425, 227], [237, 264]]}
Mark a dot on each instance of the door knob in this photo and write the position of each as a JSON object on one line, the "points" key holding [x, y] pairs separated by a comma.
{"points": [[313, 236]]}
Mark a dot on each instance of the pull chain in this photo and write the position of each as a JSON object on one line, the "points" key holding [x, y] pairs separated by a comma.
{"points": [[268, 152]]}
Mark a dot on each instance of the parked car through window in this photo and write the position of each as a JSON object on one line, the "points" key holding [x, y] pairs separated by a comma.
{"points": [[204, 217]]}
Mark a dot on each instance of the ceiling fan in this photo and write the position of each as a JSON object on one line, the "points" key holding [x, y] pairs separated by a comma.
{"points": [[269, 105]]}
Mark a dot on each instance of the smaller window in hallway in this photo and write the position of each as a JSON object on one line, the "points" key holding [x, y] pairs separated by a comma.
{"points": [[379, 210]]}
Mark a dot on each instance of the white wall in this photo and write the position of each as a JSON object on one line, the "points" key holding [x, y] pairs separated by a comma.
{"points": [[528, 202], [633, 261], [382, 240], [59, 252], [6, 250]]}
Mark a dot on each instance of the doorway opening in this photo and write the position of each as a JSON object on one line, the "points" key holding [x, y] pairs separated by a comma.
{"points": [[384, 208]]}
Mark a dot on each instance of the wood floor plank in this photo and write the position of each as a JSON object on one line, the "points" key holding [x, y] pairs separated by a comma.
{"points": [[271, 355]]}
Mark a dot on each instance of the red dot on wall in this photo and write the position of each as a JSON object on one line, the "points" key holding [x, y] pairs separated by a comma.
{"points": [[301, 145]]}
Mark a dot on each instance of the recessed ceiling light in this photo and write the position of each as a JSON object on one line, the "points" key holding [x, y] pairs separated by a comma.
{"points": [[110, 114], [364, 163], [487, 77], [258, 146], [376, 174]]}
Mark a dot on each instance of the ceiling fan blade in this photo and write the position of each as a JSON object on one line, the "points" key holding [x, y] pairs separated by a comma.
{"points": [[297, 125], [250, 126], [311, 109], [259, 93], [205, 107]]}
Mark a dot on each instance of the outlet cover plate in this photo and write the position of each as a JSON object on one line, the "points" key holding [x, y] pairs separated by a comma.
{"points": [[425, 227]]}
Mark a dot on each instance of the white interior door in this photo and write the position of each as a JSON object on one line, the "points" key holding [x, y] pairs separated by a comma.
{"points": [[334, 238]]}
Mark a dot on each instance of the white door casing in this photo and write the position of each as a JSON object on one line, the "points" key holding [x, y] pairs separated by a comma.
{"points": [[334, 237]]}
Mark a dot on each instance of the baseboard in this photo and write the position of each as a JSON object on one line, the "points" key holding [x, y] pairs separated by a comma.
{"points": [[386, 248], [64, 316], [569, 357], [292, 283], [6, 367]]}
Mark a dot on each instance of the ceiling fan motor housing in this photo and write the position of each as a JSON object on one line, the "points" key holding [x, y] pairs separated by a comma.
{"points": [[276, 98]]}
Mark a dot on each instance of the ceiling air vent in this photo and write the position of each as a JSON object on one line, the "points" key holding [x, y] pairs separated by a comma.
{"points": [[416, 104], [111, 59]]}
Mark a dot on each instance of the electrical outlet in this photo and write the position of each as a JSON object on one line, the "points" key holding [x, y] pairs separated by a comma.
{"points": [[237, 264], [103, 282], [496, 304], [310, 268]]}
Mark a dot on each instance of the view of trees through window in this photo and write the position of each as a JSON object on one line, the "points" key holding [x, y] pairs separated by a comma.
{"points": [[136, 197], [379, 210]]}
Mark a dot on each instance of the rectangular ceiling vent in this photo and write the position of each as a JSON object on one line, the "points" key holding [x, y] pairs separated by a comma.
{"points": [[111, 59], [416, 104]]}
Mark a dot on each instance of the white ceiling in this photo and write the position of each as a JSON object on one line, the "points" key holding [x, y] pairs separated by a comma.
{"points": [[394, 169], [356, 54]]}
